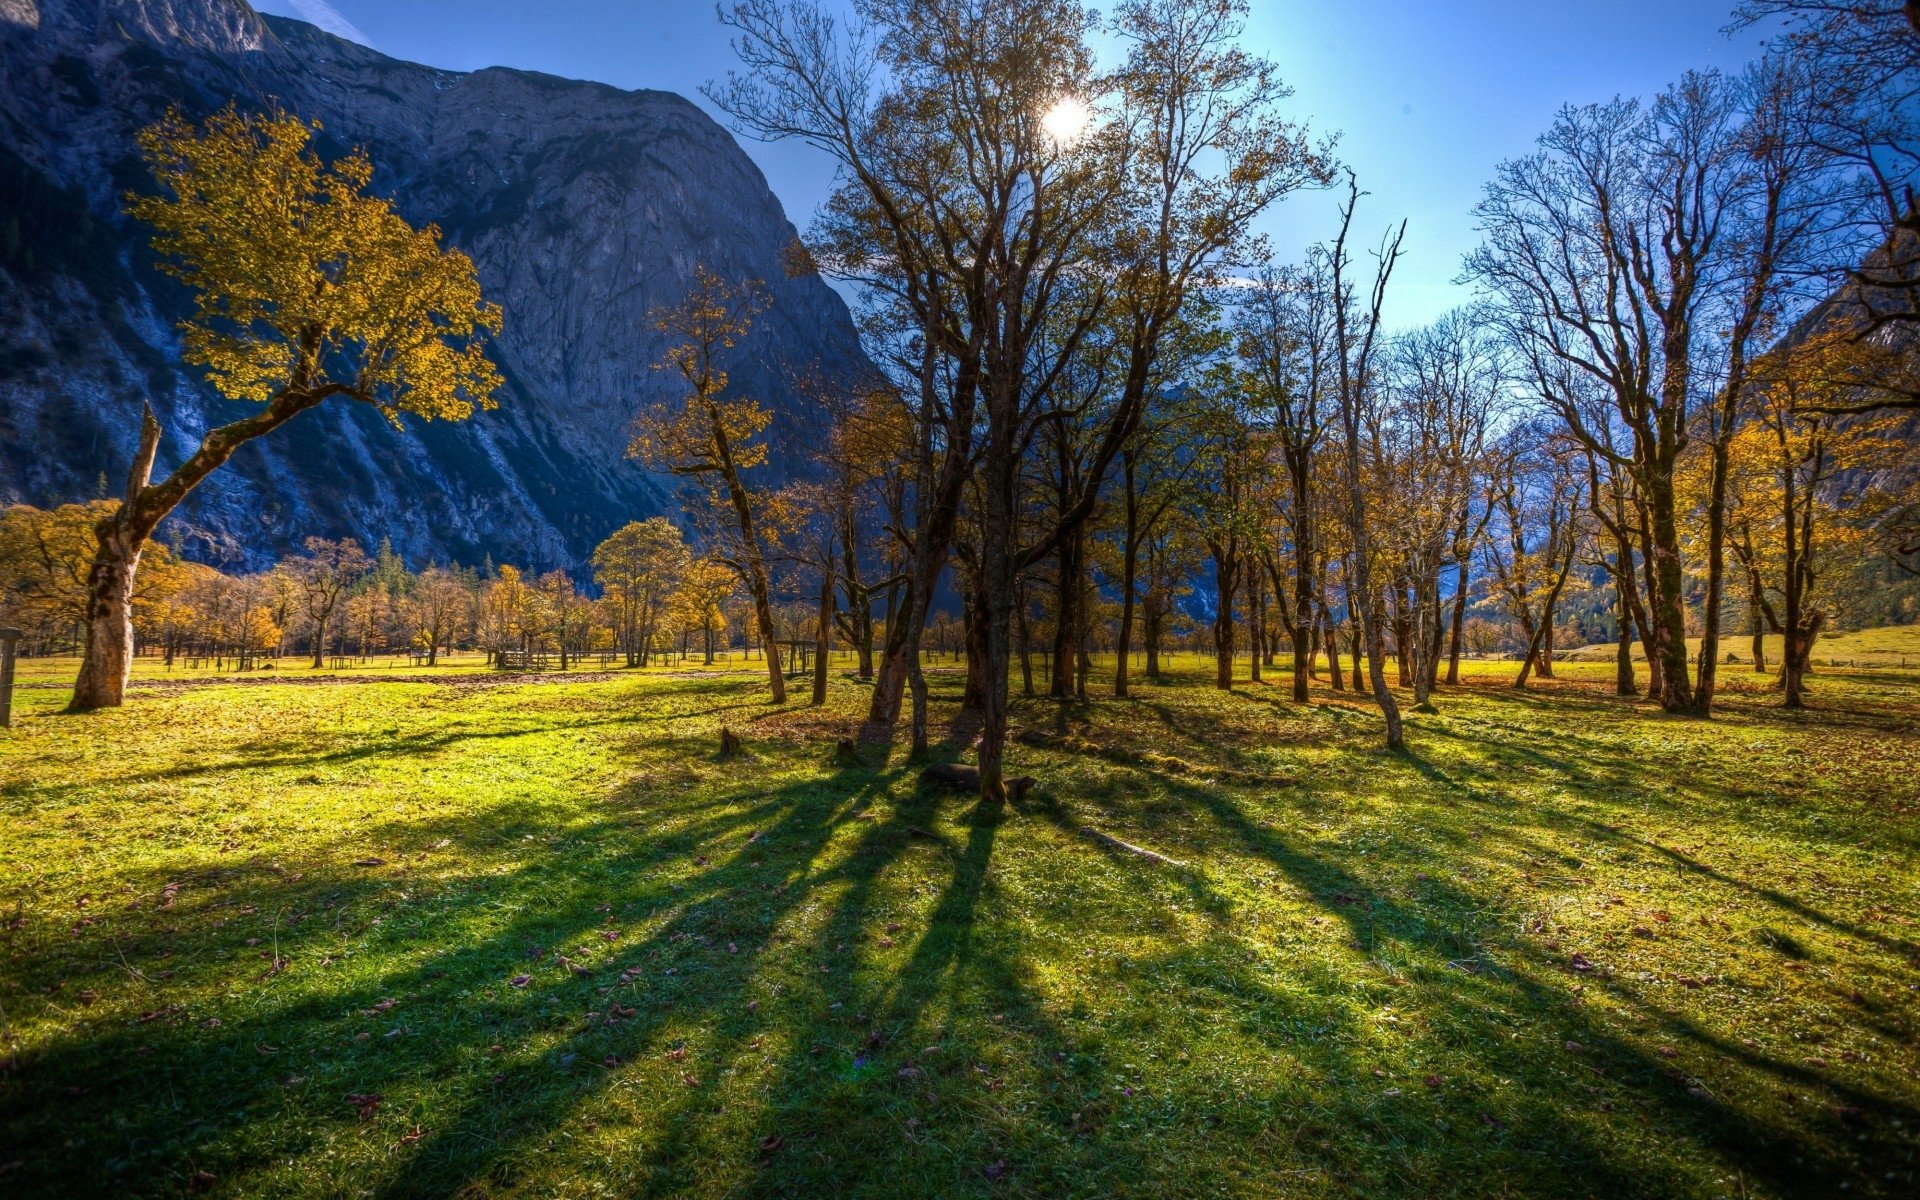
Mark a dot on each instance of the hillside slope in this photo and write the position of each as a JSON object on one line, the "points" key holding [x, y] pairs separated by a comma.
{"points": [[584, 207]]}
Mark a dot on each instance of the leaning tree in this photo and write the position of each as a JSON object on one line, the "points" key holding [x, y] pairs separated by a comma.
{"points": [[305, 289]]}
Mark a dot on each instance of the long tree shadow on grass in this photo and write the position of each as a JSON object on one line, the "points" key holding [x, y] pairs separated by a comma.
{"points": [[460, 983], [1483, 1000]]}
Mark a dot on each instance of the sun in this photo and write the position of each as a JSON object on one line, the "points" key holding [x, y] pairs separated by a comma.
{"points": [[1067, 120]]}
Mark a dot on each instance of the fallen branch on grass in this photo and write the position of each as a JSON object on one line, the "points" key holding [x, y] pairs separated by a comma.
{"points": [[1110, 840]]}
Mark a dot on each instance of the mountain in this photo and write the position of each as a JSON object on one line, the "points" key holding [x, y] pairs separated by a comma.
{"points": [[583, 207]]}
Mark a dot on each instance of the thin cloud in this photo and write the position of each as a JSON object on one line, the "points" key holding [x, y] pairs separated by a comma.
{"points": [[325, 16]]}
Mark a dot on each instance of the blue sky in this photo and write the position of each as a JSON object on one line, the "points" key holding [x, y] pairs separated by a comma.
{"points": [[1427, 96]]}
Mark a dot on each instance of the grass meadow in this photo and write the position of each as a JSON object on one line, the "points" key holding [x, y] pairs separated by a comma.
{"points": [[408, 932]]}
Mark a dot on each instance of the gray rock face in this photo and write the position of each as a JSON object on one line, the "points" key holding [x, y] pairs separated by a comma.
{"points": [[583, 206]]}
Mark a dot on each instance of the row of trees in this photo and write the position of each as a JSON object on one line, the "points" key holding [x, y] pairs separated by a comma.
{"points": [[651, 596], [1095, 384], [1092, 372]]}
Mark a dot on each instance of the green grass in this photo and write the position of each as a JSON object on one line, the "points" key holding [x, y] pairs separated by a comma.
{"points": [[1883, 646], [1566, 947]]}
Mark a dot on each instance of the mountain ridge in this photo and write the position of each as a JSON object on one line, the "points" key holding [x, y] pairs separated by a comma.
{"points": [[584, 206]]}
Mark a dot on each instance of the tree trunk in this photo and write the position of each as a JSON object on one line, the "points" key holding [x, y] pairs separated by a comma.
{"points": [[1257, 622], [1124, 647], [769, 637], [975, 636], [1225, 567], [1331, 640], [1668, 602], [917, 685], [1067, 612], [1150, 634], [823, 634], [1354, 649], [1457, 632], [998, 569], [1623, 683], [1026, 652], [107, 659]]}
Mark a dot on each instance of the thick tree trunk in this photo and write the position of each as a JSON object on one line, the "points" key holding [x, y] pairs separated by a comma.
{"points": [[1668, 602], [975, 634], [1150, 635], [998, 569], [107, 658]]}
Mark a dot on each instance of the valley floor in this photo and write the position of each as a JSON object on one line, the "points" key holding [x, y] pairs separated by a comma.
{"points": [[493, 937]]}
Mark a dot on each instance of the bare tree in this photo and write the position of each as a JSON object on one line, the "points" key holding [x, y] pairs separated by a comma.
{"points": [[322, 576], [1356, 337]]}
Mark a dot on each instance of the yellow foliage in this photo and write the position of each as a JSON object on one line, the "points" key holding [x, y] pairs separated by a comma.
{"points": [[294, 269]]}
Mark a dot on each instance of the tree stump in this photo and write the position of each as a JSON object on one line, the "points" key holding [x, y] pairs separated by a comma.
{"points": [[730, 745], [845, 754]]}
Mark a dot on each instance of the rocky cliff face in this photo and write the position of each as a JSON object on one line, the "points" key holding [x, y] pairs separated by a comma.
{"points": [[583, 206]]}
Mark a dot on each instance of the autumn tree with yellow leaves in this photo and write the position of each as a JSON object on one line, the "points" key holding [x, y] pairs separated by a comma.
{"points": [[712, 438], [305, 289]]}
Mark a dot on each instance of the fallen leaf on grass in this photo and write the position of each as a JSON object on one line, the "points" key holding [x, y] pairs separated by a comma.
{"points": [[1579, 962], [771, 1143], [410, 1137], [201, 1181], [366, 1103], [521, 981], [369, 862]]}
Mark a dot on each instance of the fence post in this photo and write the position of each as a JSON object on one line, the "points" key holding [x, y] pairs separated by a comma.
{"points": [[8, 637]]}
